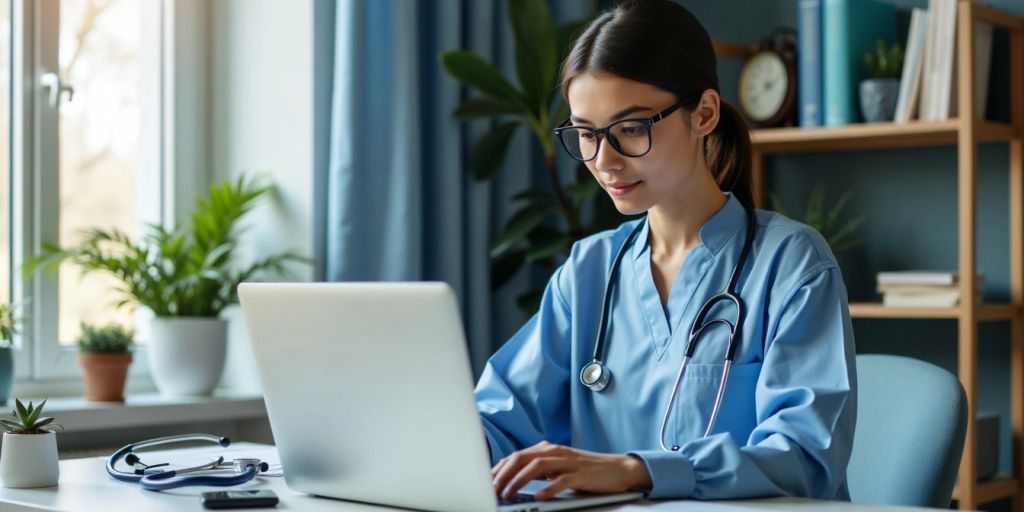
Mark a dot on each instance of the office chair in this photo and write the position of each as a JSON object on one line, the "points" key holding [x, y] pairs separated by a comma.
{"points": [[911, 425]]}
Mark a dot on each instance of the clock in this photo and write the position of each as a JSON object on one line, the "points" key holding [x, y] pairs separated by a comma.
{"points": [[768, 83]]}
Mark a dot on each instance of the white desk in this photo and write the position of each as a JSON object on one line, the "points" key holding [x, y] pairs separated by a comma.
{"points": [[86, 487]]}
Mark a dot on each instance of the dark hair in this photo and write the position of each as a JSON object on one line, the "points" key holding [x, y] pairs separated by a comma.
{"points": [[659, 42]]}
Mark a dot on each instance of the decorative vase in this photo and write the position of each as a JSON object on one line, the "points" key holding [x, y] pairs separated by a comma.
{"points": [[29, 460], [104, 375], [186, 354], [6, 374], [878, 99]]}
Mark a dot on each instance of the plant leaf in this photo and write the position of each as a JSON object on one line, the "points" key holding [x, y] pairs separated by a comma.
{"points": [[475, 72], [489, 152], [22, 412], [34, 415], [518, 226], [41, 423], [477, 108], [11, 426], [536, 52]]}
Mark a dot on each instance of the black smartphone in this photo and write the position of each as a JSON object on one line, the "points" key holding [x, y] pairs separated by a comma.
{"points": [[255, 498]]}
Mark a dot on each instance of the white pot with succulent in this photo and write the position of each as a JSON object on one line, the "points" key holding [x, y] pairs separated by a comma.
{"points": [[28, 455], [186, 275]]}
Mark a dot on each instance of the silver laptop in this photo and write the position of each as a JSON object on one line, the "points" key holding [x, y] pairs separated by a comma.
{"points": [[370, 397]]}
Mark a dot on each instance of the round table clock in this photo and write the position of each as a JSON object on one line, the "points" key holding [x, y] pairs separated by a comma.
{"points": [[768, 82]]}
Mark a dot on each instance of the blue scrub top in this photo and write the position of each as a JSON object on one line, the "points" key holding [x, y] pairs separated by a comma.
{"points": [[787, 418]]}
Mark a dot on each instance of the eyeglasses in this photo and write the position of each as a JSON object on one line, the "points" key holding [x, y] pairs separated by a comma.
{"points": [[630, 137]]}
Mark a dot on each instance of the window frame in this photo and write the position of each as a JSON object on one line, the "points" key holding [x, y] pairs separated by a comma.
{"points": [[38, 356]]}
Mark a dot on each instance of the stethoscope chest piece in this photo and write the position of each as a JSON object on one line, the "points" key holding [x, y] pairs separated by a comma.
{"points": [[595, 376]]}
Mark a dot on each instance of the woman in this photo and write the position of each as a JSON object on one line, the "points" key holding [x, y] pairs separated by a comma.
{"points": [[648, 121]]}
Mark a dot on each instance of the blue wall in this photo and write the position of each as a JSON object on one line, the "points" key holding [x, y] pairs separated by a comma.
{"points": [[909, 198]]}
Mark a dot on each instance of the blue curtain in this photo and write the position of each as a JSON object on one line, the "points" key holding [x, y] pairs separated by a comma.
{"points": [[400, 204]]}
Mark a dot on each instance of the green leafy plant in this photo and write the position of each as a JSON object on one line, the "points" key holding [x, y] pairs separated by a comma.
{"points": [[8, 324], [180, 271], [839, 235], [884, 62], [578, 208], [107, 339], [29, 420]]}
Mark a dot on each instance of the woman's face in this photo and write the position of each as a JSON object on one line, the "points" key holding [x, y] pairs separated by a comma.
{"points": [[637, 184]]}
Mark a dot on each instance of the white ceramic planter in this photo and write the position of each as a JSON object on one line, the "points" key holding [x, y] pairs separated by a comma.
{"points": [[29, 460], [186, 354]]}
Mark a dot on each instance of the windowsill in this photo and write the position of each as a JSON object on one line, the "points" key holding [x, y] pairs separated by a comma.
{"points": [[76, 414]]}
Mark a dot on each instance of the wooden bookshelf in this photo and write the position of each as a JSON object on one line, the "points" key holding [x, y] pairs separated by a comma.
{"points": [[965, 133]]}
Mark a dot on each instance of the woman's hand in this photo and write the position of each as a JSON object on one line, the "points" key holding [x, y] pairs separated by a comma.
{"points": [[568, 468]]}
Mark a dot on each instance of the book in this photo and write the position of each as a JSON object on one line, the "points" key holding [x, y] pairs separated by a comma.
{"points": [[910, 80], [940, 46], [809, 63], [982, 66], [921, 278], [920, 288], [946, 299], [850, 28]]}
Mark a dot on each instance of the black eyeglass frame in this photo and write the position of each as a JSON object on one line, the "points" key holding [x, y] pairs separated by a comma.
{"points": [[646, 122]]}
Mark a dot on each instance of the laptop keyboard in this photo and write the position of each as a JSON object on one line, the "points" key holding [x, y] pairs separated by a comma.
{"points": [[519, 498]]}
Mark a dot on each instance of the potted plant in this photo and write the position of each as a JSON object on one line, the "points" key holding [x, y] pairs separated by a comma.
{"points": [[8, 328], [28, 455], [104, 354], [549, 219], [878, 94], [186, 275]]}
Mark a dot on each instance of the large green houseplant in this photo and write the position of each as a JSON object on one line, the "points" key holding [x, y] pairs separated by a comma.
{"points": [[548, 220], [187, 275]]}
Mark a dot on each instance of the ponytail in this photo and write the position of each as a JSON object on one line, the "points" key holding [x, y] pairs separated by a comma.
{"points": [[727, 152]]}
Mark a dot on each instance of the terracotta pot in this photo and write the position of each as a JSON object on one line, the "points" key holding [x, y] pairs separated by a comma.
{"points": [[104, 375]]}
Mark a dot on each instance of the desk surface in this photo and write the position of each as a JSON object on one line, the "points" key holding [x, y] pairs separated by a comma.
{"points": [[85, 486]]}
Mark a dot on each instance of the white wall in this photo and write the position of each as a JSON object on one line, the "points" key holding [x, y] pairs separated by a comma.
{"points": [[262, 121]]}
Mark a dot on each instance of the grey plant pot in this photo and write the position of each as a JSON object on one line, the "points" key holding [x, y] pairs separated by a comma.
{"points": [[878, 99]]}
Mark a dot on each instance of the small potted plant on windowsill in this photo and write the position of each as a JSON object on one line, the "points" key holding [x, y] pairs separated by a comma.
{"points": [[186, 275], [28, 455], [878, 94], [104, 354], [8, 328]]}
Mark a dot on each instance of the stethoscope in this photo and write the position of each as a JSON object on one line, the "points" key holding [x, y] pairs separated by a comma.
{"points": [[596, 376], [221, 473]]}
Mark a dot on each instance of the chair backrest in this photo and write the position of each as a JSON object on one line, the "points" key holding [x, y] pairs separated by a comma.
{"points": [[911, 425]]}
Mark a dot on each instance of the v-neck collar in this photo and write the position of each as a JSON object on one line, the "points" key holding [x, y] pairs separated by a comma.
{"points": [[665, 321]]}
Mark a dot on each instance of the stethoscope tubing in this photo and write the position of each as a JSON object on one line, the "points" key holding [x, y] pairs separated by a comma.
{"points": [[587, 375], [244, 470]]}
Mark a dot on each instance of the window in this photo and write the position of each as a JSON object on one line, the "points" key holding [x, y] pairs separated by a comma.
{"points": [[88, 123]]}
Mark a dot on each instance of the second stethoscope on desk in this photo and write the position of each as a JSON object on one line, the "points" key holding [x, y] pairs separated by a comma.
{"points": [[160, 477], [596, 376]]}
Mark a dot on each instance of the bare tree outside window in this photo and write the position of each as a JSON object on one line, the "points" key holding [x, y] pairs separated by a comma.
{"points": [[111, 59]]}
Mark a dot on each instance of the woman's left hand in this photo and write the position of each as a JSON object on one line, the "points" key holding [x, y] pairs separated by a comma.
{"points": [[568, 468]]}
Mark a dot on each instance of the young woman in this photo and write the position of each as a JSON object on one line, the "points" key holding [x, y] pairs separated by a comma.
{"points": [[657, 393]]}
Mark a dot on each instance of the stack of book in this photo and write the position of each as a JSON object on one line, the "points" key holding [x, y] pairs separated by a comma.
{"points": [[921, 289]]}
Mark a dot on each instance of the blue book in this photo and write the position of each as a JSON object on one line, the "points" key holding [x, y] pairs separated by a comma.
{"points": [[850, 29], [809, 63]]}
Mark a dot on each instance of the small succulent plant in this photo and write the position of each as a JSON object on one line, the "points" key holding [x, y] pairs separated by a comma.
{"points": [[30, 419], [108, 339], [884, 61]]}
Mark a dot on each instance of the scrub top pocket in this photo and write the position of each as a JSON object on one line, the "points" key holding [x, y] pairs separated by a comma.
{"points": [[696, 399]]}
